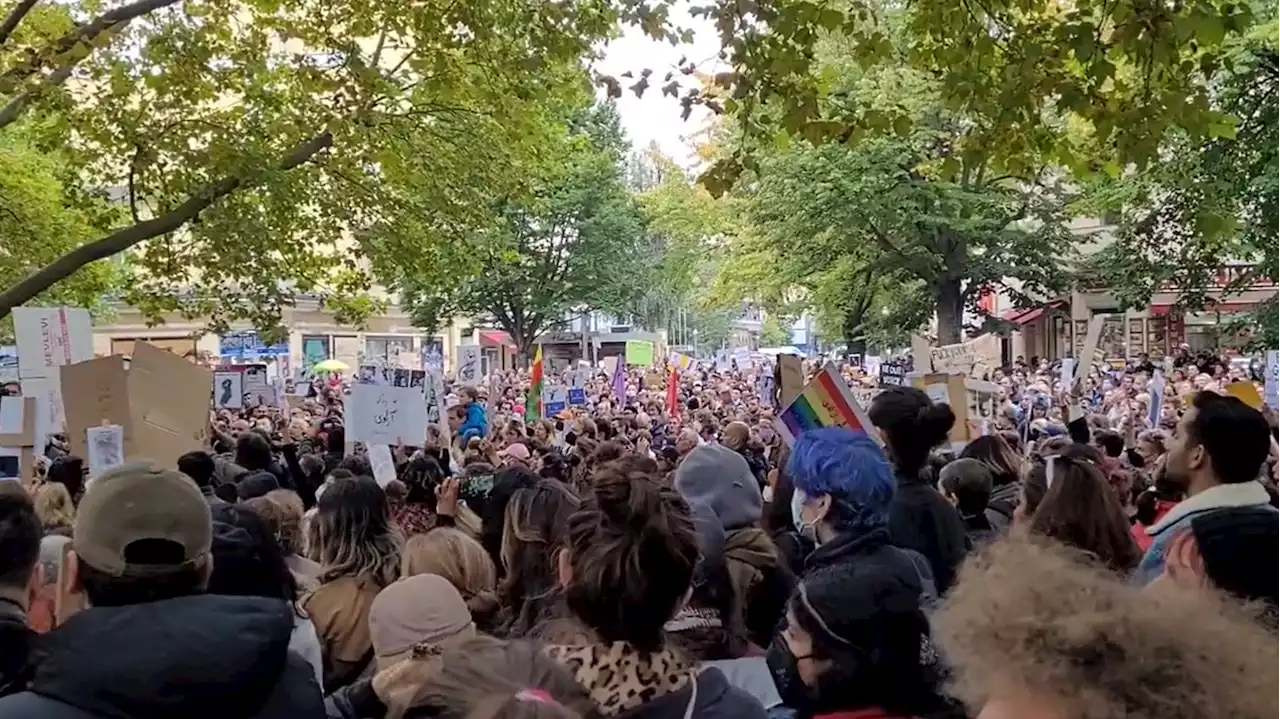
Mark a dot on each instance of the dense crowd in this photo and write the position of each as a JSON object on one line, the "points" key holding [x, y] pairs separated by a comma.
{"points": [[659, 551]]}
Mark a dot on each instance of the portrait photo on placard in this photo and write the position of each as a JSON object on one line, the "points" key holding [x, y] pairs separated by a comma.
{"points": [[228, 390]]}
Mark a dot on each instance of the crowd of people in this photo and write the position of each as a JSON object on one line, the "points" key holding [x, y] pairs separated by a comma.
{"points": [[657, 554]]}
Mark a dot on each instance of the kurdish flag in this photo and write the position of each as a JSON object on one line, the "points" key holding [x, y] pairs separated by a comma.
{"points": [[533, 400], [825, 402]]}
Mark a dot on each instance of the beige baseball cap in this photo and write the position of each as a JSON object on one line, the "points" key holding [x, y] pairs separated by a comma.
{"points": [[137, 501]]}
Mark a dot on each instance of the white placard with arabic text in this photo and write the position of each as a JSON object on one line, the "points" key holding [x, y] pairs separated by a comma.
{"points": [[386, 415]]}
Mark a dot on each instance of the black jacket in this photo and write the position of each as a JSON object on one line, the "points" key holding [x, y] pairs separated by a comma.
{"points": [[1004, 499], [16, 639], [715, 698], [195, 657], [921, 519]]}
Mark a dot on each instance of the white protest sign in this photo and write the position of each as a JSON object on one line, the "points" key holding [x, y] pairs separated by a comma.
{"points": [[386, 415], [106, 447], [381, 463], [469, 365], [1091, 339], [50, 413], [1068, 372], [938, 393], [50, 337], [1271, 390]]}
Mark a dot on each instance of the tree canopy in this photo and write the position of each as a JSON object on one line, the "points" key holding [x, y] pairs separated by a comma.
{"points": [[257, 143], [1210, 204], [573, 244]]}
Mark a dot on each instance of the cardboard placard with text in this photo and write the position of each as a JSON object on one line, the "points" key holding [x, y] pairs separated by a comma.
{"points": [[973, 358], [161, 401]]}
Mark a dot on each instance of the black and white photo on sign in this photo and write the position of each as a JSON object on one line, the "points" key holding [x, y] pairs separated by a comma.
{"points": [[400, 378], [469, 365], [228, 390], [417, 378], [106, 447], [368, 374]]}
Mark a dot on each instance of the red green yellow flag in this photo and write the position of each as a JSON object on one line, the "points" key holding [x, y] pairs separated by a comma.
{"points": [[533, 400]]}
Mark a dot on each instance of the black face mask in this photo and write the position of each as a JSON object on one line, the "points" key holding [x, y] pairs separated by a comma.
{"points": [[783, 665]]}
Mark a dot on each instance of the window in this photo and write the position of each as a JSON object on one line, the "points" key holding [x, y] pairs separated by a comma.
{"points": [[315, 348], [386, 349]]}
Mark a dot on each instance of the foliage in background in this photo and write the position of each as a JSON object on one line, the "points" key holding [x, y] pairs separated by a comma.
{"points": [[258, 144], [40, 220], [1210, 204], [571, 245]]}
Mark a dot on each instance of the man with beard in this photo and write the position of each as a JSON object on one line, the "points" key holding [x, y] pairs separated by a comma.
{"points": [[1216, 452]]}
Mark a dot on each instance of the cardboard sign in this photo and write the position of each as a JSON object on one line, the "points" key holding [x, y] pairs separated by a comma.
{"points": [[654, 379], [161, 403], [973, 358], [386, 415], [469, 365], [790, 379], [51, 337]]}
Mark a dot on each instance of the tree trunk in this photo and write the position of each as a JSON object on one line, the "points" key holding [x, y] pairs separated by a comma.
{"points": [[121, 240], [950, 309]]}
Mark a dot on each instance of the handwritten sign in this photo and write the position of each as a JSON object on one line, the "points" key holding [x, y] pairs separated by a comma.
{"points": [[893, 373], [386, 415], [51, 337], [973, 358], [469, 365]]}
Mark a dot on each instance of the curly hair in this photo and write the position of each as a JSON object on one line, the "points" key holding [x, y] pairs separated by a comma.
{"points": [[1033, 618]]}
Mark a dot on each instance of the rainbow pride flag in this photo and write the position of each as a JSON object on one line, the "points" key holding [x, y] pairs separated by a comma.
{"points": [[825, 402]]}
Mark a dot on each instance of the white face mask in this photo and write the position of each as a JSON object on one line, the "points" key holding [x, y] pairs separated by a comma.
{"points": [[809, 530]]}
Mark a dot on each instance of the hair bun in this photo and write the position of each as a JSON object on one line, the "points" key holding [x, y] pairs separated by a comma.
{"points": [[936, 421], [627, 499]]}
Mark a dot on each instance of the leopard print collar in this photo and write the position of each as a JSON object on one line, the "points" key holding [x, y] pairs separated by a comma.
{"points": [[620, 678]]}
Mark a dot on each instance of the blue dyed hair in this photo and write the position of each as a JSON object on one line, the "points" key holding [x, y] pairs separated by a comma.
{"points": [[849, 466]]}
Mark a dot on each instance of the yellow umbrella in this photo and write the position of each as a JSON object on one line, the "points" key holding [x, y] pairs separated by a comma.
{"points": [[331, 365]]}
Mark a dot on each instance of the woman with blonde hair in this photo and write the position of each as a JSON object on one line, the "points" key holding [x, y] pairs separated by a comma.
{"points": [[451, 554], [55, 509], [1033, 631], [485, 678]]}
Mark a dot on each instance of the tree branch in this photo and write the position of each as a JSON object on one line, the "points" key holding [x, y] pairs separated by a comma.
{"points": [[87, 33], [15, 17], [123, 239], [20, 101]]}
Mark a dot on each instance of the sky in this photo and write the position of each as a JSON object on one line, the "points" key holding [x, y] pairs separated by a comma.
{"points": [[655, 117]]}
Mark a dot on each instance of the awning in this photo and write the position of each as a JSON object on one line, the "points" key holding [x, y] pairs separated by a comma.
{"points": [[495, 338], [1028, 314]]}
